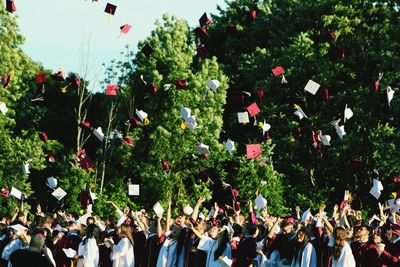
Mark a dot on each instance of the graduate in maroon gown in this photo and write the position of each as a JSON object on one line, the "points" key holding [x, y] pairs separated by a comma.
{"points": [[389, 250], [247, 248], [364, 250], [153, 243], [70, 240]]}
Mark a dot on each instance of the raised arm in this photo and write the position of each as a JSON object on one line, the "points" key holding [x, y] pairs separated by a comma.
{"points": [[168, 223], [196, 209]]}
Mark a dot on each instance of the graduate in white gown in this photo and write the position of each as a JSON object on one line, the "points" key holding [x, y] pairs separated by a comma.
{"points": [[88, 251], [342, 254], [122, 254], [304, 255], [19, 240], [172, 252], [216, 244]]}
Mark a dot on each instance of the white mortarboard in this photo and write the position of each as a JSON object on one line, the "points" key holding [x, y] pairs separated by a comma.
{"points": [[15, 193], [18, 228], [191, 122], [133, 190], [167, 86], [243, 117], [377, 184], [348, 113], [393, 206], [188, 210], [202, 216], [59, 193], [99, 133], [312, 87], [230, 145], [3, 108], [25, 168], [185, 112], [265, 127], [299, 112], [261, 202], [246, 93], [390, 93], [307, 214], [158, 209], [141, 114], [375, 193], [70, 252], [202, 149], [225, 261], [93, 196], [326, 139], [52, 182], [213, 84], [340, 130]]}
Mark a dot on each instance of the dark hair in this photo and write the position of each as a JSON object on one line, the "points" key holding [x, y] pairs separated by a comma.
{"points": [[298, 249], [92, 231], [223, 242], [251, 229]]}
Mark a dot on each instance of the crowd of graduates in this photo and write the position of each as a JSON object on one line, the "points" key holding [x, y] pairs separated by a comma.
{"points": [[335, 237]]}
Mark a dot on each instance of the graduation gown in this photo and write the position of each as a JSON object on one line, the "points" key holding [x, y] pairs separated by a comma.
{"points": [[122, 254], [246, 252], [346, 258], [210, 245], [168, 255], [14, 245], [70, 240], [152, 250], [90, 252], [308, 257], [391, 256], [365, 254]]}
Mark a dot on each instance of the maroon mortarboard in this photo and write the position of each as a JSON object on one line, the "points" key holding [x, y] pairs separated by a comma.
{"points": [[202, 52], [165, 165], [315, 138], [125, 28], [289, 220], [59, 75], [152, 89], [253, 14], [41, 78], [134, 122], [306, 171], [330, 35], [204, 20], [180, 84], [357, 162], [326, 95], [5, 192], [147, 50], [260, 93], [81, 153], [231, 29], [44, 137], [10, 6], [111, 89], [86, 163], [75, 81], [110, 9], [204, 156], [235, 193], [396, 180], [50, 157], [236, 206], [85, 199], [5, 80], [201, 32], [253, 109], [128, 140], [375, 86], [278, 70], [253, 151], [85, 124], [297, 133]]}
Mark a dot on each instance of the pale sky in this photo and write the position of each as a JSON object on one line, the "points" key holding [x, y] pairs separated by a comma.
{"points": [[55, 29]]}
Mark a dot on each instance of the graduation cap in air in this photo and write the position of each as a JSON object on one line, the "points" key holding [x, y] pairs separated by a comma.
{"points": [[253, 109], [180, 84], [3, 108], [125, 28], [110, 9], [230, 145], [5, 80], [111, 89], [59, 193], [389, 94], [84, 124], [133, 189], [147, 50], [152, 88], [202, 149], [260, 93], [299, 112], [10, 6], [201, 32], [52, 182], [277, 71], [312, 87], [348, 113], [59, 75], [41, 78], [5, 192], [204, 20], [15, 193], [128, 140], [376, 188], [141, 115], [213, 84], [202, 52], [253, 151], [44, 136], [50, 157], [325, 94], [165, 165], [99, 133], [243, 117]]}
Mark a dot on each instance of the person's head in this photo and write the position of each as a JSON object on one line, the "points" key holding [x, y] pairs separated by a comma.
{"points": [[20, 216], [302, 236], [287, 227], [363, 233], [125, 231], [340, 236], [71, 216], [72, 226], [213, 233], [201, 226], [252, 230], [37, 243], [92, 231], [90, 220]]}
